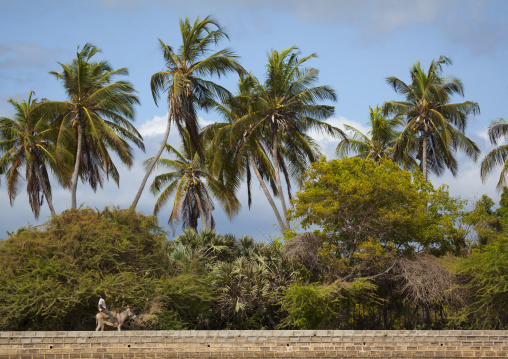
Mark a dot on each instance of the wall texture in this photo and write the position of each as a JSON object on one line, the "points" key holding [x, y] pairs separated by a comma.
{"points": [[255, 344]]}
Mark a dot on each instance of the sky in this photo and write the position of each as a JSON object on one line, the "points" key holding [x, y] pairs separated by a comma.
{"points": [[358, 43]]}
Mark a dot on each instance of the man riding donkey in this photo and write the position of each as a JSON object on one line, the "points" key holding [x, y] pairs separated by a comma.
{"points": [[104, 309]]}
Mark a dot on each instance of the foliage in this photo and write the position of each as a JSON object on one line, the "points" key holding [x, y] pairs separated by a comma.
{"points": [[353, 201], [185, 80], [27, 140], [487, 273], [53, 275], [445, 231], [435, 127], [192, 184], [93, 121], [499, 155], [317, 306], [383, 135]]}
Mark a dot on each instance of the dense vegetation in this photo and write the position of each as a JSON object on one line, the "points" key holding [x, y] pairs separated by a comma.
{"points": [[384, 248]]}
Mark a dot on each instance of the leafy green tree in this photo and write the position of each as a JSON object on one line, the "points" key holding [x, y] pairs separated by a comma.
{"points": [[53, 275], [445, 231], [354, 202], [483, 221], [487, 271], [185, 83], [435, 127], [193, 185], [94, 120], [315, 306], [499, 155], [27, 140], [288, 102]]}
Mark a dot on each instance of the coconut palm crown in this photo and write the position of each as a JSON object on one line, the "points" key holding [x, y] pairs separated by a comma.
{"points": [[499, 155], [27, 140], [289, 103], [193, 185], [184, 80], [94, 120], [435, 127]]}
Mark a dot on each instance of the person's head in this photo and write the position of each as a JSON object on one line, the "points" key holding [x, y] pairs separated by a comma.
{"points": [[103, 295]]}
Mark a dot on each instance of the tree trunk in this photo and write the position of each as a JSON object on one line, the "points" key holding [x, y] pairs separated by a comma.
{"points": [[424, 155], [201, 211], [44, 188], [424, 160], [152, 164], [77, 162], [275, 152], [267, 193]]}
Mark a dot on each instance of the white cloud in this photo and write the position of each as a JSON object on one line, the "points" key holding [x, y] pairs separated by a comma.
{"points": [[154, 127], [157, 125]]}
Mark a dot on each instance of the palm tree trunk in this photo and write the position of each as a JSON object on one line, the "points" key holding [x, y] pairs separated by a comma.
{"points": [[424, 155], [44, 188], [74, 180], [201, 211], [424, 160], [275, 154], [267, 194], [152, 164]]}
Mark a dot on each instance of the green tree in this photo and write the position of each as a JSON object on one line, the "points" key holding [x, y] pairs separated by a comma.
{"points": [[362, 208], [94, 120], [27, 140], [499, 155], [435, 127], [288, 102], [193, 185], [185, 83], [53, 274], [487, 273]]}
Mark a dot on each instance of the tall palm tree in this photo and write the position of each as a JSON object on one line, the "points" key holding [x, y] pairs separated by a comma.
{"points": [[499, 155], [434, 127], [193, 185], [27, 140], [288, 104], [95, 118], [239, 152], [183, 80]]}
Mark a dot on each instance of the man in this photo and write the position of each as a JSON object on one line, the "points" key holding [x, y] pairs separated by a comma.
{"points": [[104, 309]]}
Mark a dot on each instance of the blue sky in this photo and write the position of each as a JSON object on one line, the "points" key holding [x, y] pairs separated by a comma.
{"points": [[359, 43]]}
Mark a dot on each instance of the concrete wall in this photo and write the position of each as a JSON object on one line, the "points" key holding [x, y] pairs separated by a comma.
{"points": [[255, 344]]}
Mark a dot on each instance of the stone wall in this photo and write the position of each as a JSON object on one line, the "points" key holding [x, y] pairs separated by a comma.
{"points": [[255, 344]]}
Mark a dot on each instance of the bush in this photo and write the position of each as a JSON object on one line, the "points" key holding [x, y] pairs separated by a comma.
{"points": [[52, 276]]}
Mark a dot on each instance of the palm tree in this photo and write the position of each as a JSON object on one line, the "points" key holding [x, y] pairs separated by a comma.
{"points": [[379, 145], [239, 151], [193, 185], [183, 80], [288, 105], [499, 155], [434, 127], [235, 157], [95, 118], [27, 141]]}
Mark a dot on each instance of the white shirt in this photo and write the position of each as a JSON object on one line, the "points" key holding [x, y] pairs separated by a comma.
{"points": [[103, 303]]}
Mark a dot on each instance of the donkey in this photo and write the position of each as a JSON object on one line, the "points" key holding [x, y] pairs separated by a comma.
{"points": [[121, 318]]}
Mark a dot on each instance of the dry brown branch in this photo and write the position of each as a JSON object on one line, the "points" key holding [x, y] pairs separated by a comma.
{"points": [[427, 281], [304, 249]]}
